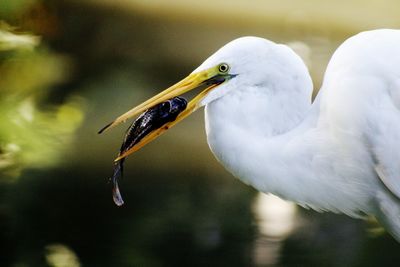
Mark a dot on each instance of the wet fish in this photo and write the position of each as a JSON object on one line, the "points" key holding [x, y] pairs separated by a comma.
{"points": [[150, 120]]}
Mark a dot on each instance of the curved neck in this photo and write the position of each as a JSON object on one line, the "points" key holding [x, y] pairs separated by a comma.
{"points": [[271, 145], [246, 127], [279, 158]]}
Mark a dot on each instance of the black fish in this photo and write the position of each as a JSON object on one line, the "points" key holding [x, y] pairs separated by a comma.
{"points": [[150, 120]]}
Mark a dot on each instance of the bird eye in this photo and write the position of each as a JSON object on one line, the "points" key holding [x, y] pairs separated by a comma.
{"points": [[223, 67]]}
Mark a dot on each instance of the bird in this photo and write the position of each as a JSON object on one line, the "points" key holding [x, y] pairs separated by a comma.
{"points": [[338, 153]]}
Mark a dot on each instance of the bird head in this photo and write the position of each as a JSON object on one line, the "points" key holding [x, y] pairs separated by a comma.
{"points": [[243, 62]]}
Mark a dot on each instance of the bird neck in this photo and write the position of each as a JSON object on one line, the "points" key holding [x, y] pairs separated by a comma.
{"points": [[247, 129]]}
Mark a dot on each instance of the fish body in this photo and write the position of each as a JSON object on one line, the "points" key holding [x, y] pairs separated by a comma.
{"points": [[150, 120]]}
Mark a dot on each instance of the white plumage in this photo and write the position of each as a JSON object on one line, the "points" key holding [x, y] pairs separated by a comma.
{"points": [[341, 153]]}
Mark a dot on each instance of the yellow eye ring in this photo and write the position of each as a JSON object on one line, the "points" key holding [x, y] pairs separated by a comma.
{"points": [[223, 67]]}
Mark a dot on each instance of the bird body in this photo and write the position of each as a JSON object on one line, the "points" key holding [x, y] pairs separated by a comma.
{"points": [[340, 153], [327, 155]]}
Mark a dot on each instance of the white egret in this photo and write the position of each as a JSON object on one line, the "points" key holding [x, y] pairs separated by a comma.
{"points": [[339, 154]]}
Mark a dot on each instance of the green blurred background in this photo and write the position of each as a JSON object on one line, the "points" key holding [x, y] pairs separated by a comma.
{"points": [[68, 67]]}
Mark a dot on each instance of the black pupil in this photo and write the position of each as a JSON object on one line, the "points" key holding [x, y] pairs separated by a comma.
{"points": [[223, 68]]}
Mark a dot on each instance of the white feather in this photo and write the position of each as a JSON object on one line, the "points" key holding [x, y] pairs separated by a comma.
{"points": [[342, 153]]}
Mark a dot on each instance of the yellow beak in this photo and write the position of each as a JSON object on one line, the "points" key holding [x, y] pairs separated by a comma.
{"points": [[209, 77]]}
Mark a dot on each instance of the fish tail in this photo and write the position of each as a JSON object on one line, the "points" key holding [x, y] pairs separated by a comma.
{"points": [[118, 170]]}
